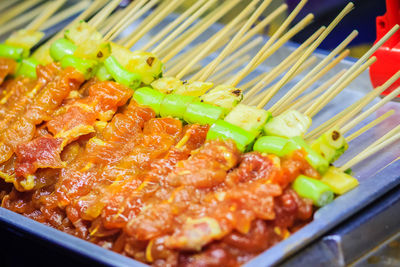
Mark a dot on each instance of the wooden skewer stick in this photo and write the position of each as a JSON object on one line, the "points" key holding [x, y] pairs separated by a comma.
{"points": [[369, 111], [279, 106], [151, 21], [354, 67], [232, 44], [63, 15], [340, 88], [21, 20], [306, 54], [125, 15], [245, 12], [136, 16], [369, 125], [6, 4], [239, 53], [285, 38], [229, 47], [353, 109], [183, 26], [197, 29], [253, 63], [266, 21], [184, 58], [158, 6], [389, 134], [205, 24], [179, 62], [97, 4], [347, 113], [285, 64], [224, 73], [18, 9], [369, 98], [50, 10], [194, 69], [304, 100], [272, 75], [296, 90], [172, 25], [105, 12], [111, 20], [175, 65], [302, 68], [119, 15], [256, 29], [380, 144]]}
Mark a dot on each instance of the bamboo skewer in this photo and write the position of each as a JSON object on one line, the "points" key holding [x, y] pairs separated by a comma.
{"points": [[97, 4], [239, 53], [389, 134], [347, 113], [175, 65], [253, 63], [125, 15], [326, 99], [369, 125], [149, 5], [265, 22], [184, 58], [21, 20], [151, 21], [50, 10], [18, 9], [183, 26], [355, 66], [158, 6], [353, 109], [225, 63], [180, 61], [380, 144], [65, 14], [232, 44], [285, 64], [105, 12], [112, 20], [256, 29], [306, 54], [172, 25], [203, 25], [161, 5], [6, 4], [372, 109], [220, 75], [213, 42], [306, 83], [302, 101], [295, 91], [285, 38], [302, 68], [197, 29]]}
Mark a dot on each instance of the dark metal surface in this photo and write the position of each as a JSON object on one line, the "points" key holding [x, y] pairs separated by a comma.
{"points": [[19, 227]]}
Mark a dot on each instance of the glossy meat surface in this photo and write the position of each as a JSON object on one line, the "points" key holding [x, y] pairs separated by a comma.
{"points": [[85, 159]]}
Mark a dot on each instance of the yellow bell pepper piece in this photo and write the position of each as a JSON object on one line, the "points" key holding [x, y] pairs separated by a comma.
{"points": [[339, 181]]}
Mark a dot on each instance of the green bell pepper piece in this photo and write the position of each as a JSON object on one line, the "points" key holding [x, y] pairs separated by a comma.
{"points": [[317, 191]]}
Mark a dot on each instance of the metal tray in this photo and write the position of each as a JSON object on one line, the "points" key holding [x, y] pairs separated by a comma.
{"points": [[376, 175]]}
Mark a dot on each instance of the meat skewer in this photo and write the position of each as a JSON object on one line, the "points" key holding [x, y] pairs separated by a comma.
{"points": [[187, 166]]}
